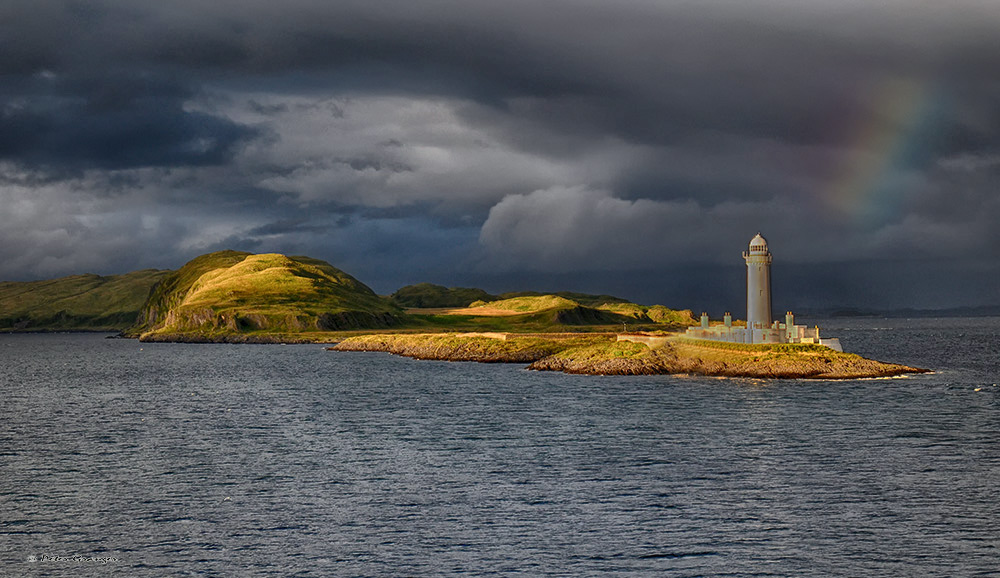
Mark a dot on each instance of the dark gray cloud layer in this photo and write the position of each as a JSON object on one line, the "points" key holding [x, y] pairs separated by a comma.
{"points": [[114, 121], [616, 146]]}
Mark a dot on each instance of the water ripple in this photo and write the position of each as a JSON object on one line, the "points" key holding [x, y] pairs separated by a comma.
{"points": [[278, 461]]}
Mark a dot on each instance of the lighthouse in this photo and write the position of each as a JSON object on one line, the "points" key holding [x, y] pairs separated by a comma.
{"points": [[758, 284], [759, 328]]}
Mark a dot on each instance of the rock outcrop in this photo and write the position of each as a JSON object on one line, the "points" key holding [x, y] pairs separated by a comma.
{"points": [[602, 355]]}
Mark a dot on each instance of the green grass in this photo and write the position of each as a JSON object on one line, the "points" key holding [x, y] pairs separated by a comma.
{"points": [[667, 316], [627, 309], [555, 313], [757, 347], [276, 284], [79, 302], [543, 322], [600, 350], [235, 292], [532, 304], [171, 291], [652, 314], [477, 348]]}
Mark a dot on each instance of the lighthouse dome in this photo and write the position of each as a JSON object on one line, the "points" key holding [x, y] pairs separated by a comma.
{"points": [[758, 245]]}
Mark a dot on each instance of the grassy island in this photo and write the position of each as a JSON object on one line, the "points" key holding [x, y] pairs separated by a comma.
{"points": [[603, 354]]}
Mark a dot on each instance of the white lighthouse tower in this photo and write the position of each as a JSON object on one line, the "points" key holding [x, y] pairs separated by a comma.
{"points": [[759, 328], [758, 284]]}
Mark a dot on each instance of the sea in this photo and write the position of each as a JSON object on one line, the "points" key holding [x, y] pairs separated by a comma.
{"points": [[121, 458]]}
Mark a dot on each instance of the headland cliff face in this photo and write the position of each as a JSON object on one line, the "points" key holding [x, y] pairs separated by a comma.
{"points": [[602, 355]]}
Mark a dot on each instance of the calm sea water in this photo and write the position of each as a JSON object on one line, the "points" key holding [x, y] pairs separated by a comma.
{"points": [[131, 459]]}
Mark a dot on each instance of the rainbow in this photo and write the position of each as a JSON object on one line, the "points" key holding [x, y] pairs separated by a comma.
{"points": [[885, 144]]}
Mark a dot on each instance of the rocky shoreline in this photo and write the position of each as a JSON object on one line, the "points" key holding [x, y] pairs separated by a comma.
{"points": [[602, 355], [452, 347], [258, 338]]}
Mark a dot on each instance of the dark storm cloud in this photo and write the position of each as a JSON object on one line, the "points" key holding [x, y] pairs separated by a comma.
{"points": [[641, 72], [517, 137], [284, 227], [112, 121]]}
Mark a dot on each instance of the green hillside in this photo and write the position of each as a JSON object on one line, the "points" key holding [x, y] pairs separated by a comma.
{"points": [[533, 312], [239, 296], [232, 292], [652, 313], [585, 299], [79, 302], [428, 295], [590, 309], [531, 304]]}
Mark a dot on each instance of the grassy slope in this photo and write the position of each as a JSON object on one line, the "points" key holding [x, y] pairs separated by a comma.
{"points": [[547, 312], [652, 314], [531, 314], [532, 304], [79, 302], [231, 292], [171, 291], [452, 347]]}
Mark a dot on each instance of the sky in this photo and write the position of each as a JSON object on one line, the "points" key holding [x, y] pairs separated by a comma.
{"points": [[630, 147]]}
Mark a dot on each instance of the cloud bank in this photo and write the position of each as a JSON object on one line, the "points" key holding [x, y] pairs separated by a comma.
{"points": [[504, 143]]}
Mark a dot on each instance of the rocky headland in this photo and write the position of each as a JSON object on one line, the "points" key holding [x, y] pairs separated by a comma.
{"points": [[237, 297], [601, 354]]}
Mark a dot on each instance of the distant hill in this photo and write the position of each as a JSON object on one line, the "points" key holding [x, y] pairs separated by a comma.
{"points": [[652, 313], [532, 303], [79, 302], [428, 295], [239, 296], [232, 292], [556, 309], [581, 298], [977, 311]]}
